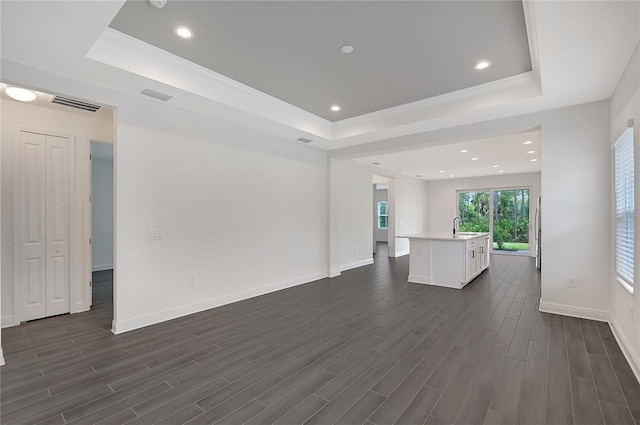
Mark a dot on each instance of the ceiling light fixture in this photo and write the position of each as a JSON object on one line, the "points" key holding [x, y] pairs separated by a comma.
{"points": [[464, 151], [474, 159], [158, 3], [442, 171], [534, 160], [18, 93], [482, 65], [495, 166], [531, 152], [501, 171], [376, 163], [419, 175], [528, 142], [346, 49], [335, 108], [183, 32], [452, 175]]}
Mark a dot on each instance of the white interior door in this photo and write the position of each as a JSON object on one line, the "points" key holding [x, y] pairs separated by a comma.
{"points": [[42, 225], [57, 225]]}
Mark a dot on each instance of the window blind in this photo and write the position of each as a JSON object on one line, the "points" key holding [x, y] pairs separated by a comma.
{"points": [[625, 206]]}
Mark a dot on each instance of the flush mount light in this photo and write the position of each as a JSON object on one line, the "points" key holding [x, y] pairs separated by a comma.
{"points": [[183, 32], [534, 160], [474, 159], [442, 171], [501, 171], [528, 142], [452, 175], [335, 108], [18, 93], [495, 166], [464, 151], [531, 152], [346, 49], [482, 65]]}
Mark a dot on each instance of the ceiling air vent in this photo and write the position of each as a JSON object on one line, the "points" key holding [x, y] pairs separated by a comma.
{"points": [[304, 140], [73, 103], [156, 95]]}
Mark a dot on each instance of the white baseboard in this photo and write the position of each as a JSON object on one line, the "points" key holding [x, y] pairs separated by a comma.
{"points": [[356, 264], [101, 267], [334, 273], [127, 325], [632, 357], [7, 321], [573, 311], [401, 253], [1, 357]]}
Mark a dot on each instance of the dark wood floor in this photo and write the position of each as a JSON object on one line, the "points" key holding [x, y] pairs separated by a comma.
{"points": [[363, 348]]}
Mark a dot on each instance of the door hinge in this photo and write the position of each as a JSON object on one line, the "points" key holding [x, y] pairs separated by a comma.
{"points": [[90, 157], [89, 198], [90, 284], [89, 241]]}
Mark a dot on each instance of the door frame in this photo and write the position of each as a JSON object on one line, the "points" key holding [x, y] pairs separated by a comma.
{"points": [[18, 314]]}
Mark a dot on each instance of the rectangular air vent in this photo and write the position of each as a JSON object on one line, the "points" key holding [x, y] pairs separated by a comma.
{"points": [[304, 140], [156, 95], [73, 103]]}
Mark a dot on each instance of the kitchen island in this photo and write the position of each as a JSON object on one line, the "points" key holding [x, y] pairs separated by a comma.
{"points": [[445, 259]]}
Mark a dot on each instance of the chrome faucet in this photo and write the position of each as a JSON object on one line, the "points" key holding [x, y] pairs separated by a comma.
{"points": [[454, 223]]}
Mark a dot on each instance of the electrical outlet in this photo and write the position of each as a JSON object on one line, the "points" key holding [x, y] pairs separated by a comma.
{"points": [[571, 281], [191, 281], [156, 234]]}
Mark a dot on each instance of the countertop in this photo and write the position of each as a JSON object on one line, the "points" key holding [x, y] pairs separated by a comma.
{"points": [[443, 236]]}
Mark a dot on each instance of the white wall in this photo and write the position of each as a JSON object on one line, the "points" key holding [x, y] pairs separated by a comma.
{"points": [[354, 198], [381, 235], [102, 214], [82, 127], [410, 215], [625, 105], [243, 213], [443, 203]]}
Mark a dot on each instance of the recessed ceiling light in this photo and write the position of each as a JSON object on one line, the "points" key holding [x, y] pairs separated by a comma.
{"points": [[482, 65], [464, 151], [183, 32], [346, 49], [18, 93], [528, 142], [495, 166], [534, 160], [335, 108], [452, 175], [442, 171], [377, 163], [531, 152], [501, 171], [474, 159]]}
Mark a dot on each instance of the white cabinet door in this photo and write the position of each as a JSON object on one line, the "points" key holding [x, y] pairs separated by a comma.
{"points": [[57, 225], [471, 267], [42, 225]]}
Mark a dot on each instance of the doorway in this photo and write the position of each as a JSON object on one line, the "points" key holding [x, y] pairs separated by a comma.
{"points": [[383, 209], [102, 219]]}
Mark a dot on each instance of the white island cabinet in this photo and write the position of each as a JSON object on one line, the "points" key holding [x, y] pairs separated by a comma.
{"points": [[444, 259]]}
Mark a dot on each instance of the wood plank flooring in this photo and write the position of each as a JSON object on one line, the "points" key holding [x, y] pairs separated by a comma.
{"points": [[363, 348]]}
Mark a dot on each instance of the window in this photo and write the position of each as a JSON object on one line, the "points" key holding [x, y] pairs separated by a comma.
{"points": [[383, 215], [625, 207]]}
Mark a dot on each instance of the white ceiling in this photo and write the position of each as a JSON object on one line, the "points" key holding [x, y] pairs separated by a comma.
{"points": [[405, 51], [447, 161], [578, 51]]}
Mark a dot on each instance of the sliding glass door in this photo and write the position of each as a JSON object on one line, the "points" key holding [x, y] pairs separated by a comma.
{"points": [[502, 212], [511, 220]]}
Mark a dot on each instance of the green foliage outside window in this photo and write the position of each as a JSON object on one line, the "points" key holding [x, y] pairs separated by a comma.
{"points": [[383, 215]]}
